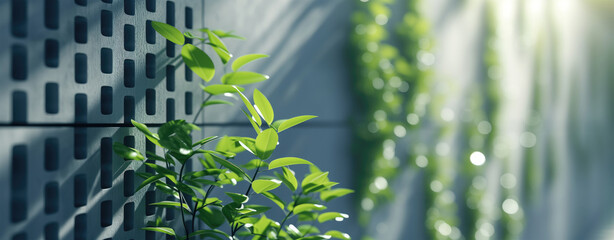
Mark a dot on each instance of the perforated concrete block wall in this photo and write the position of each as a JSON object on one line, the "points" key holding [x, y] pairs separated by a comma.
{"points": [[72, 75], [74, 72]]}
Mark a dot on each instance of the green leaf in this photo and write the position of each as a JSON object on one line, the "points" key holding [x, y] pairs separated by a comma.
{"points": [[254, 115], [213, 217], [258, 208], [254, 163], [230, 211], [275, 199], [338, 235], [171, 204], [315, 178], [263, 185], [165, 230], [242, 60], [127, 152], [167, 173], [175, 135], [217, 89], [198, 61], [242, 78], [231, 167], [316, 237], [223, 54], [254, 125], [266, 142], [209, 233], [290, 179], [143, 128], [308, 229], [215, 40], [223, 34], [308, 207], [238, 198], [216, 102], [287, 161], [190, 35], [263, 104], [288, 123], [334, 193], [324, 217], [169, 32], [204, 141], [150, 180]]}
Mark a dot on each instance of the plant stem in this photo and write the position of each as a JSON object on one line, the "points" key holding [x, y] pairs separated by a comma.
{"points": [[181, 200], [253, 178], [281, 226], [196, 208], [200, 109]]}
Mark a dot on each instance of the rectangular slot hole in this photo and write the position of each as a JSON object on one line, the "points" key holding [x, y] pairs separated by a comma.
{"points": [[21, 236], [129, 7], [52, 231], [128, 183], [52, 154], [150, 65], [128, 109], [106, 60], [80, 189], [19, 62], [170, 213], [170, 13], [106, 23], [52, 53], [19, 183], [20, 107], [81, 2], [80, 227], [149, 235], [52, 97], [150, 33], [188, 103], [52, 197], [188, 74], [150, 101], [52, 14], [106, 213], [170, 78], [19, 15], [128, 216], [80, 29], [170, 109], [80, 143], [106, 100], [150, 147], [188, 17], [80, 68], [150, 197], [106, 163], [129, 73], [129, 37], [80, 108], [150, 5], [170, 49]]}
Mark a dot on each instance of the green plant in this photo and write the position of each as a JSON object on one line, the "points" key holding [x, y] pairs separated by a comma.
{"points": [[193, 189]]}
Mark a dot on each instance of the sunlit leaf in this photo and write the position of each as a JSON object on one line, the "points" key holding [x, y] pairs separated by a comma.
{"points": [[338, 235], [266, 142], [324, 217], [217, 89], [284, 124], [169, 32], [263, 185], [290, 179], [254, 115], [275, 199], [204, 141], [127, 152], [254, 163], [191, 35], [223, 34], [305, 207], [215, 102], [198, 61], [242, 78], [149, 180], [287, 161], [223, 54], [171, 204], [263, 104], [240, 61], [143, 128], [238, 198], [334, 193], [231, 167], [165, 230]]}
